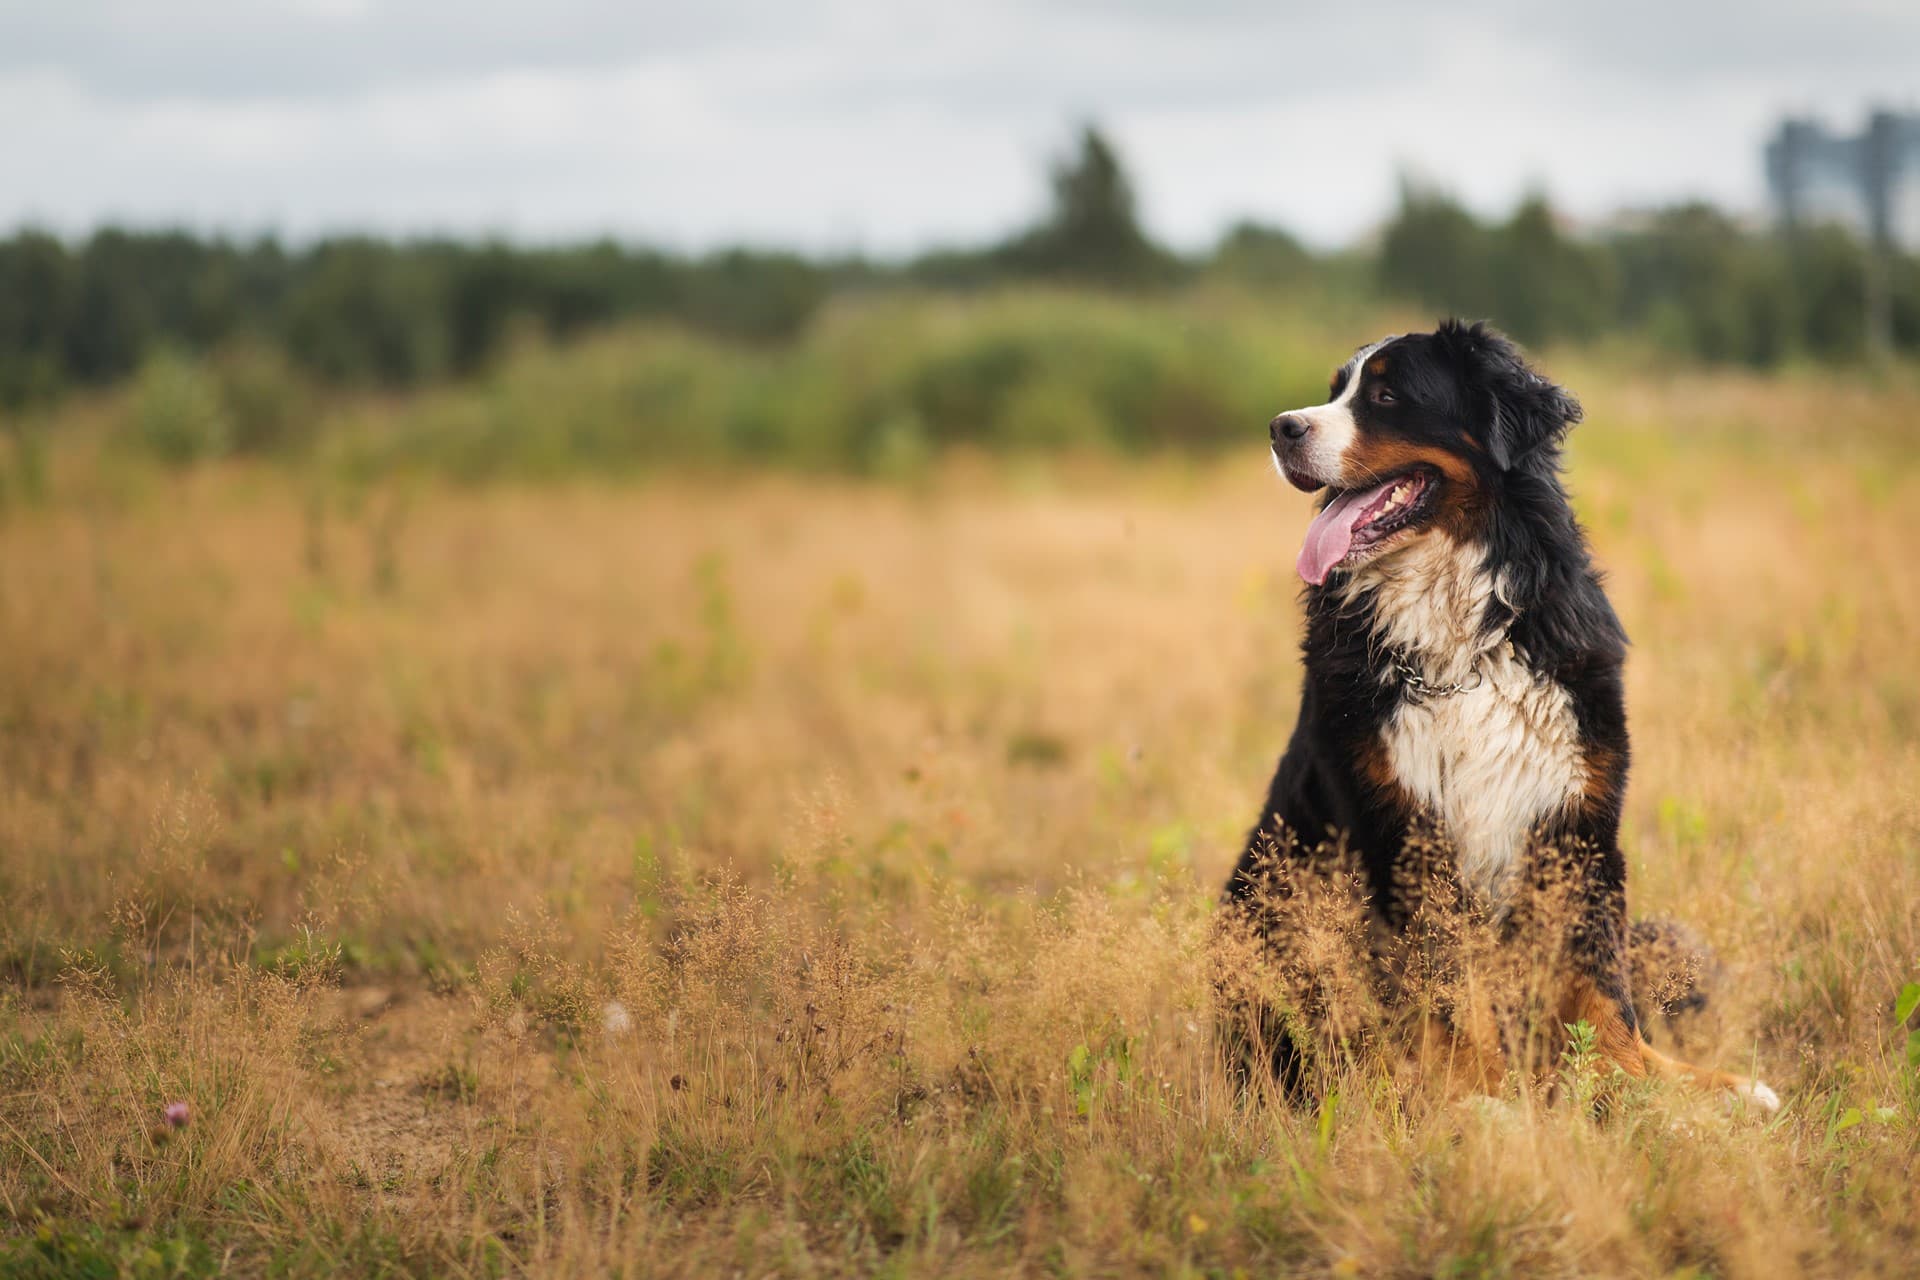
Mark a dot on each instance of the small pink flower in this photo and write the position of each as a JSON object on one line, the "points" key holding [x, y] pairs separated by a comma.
{"points": [[176, 1115]]}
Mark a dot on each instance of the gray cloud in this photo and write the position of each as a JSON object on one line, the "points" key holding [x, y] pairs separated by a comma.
{"points": [[848, 123], [215, 49]]}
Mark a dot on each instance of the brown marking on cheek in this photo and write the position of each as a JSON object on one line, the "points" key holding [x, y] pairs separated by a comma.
{"points": [[1384, 455], [1461, 509]]}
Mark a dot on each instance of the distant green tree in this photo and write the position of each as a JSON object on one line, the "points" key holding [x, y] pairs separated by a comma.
{"points": [[1697, 284], [1545, 286], [1093, 231], [1434, 252], [366, 311], [743, 294], [1263, 256], [38, 294], [1823, 283]]}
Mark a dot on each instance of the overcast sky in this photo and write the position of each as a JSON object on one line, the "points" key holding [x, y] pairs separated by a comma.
{"points": [[889, 125]]}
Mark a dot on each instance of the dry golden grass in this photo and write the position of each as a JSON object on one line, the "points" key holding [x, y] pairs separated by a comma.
{"points": [[755, 876]]}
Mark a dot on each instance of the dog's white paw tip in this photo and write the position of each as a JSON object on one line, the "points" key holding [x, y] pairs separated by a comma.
{"points": [[1758, 1094]]}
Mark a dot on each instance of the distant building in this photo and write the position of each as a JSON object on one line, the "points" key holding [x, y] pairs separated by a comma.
{"points": [[1869, 181]]}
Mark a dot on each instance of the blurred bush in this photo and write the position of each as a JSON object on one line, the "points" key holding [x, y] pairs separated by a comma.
{"points": [[268, 404], [175, 412], [879, 383]]}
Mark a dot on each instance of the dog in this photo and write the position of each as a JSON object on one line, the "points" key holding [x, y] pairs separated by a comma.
{"points": [[1463, 691]]}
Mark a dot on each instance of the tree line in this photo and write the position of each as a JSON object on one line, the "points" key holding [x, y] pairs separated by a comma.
{"points": [[360, 311]]}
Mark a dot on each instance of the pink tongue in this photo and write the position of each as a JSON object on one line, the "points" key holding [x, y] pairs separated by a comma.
{"points": [[1330, 536]]}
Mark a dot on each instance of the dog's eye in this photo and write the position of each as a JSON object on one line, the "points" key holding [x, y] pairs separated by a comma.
{"points": [[1381, 394]]}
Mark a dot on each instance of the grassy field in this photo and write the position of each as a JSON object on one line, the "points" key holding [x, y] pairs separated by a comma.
{"points": [[746, 874]]}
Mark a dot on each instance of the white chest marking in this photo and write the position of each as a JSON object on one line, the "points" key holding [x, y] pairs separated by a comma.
{"points": [[1490, 763]]}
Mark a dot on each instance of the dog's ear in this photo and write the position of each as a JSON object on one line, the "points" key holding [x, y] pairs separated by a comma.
{"points": [[1518, 410]]}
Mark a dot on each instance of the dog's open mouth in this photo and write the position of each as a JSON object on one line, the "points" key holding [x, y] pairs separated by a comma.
{"points": [[1357, 521]]}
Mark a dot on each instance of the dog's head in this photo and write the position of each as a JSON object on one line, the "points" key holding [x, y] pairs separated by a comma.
{"points": [[1419, 435]]}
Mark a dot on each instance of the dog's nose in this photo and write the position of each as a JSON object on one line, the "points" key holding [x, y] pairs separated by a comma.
{"points": [[1288, 426]]}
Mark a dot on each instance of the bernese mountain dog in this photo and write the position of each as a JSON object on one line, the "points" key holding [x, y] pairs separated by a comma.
{"points": [[1462, 691]]}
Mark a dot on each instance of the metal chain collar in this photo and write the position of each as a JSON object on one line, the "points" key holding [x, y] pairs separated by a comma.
{"points": [[1419, 688]]}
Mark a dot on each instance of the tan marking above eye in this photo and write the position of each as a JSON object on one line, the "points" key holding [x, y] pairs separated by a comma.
{"points": [[1377, 365]]}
